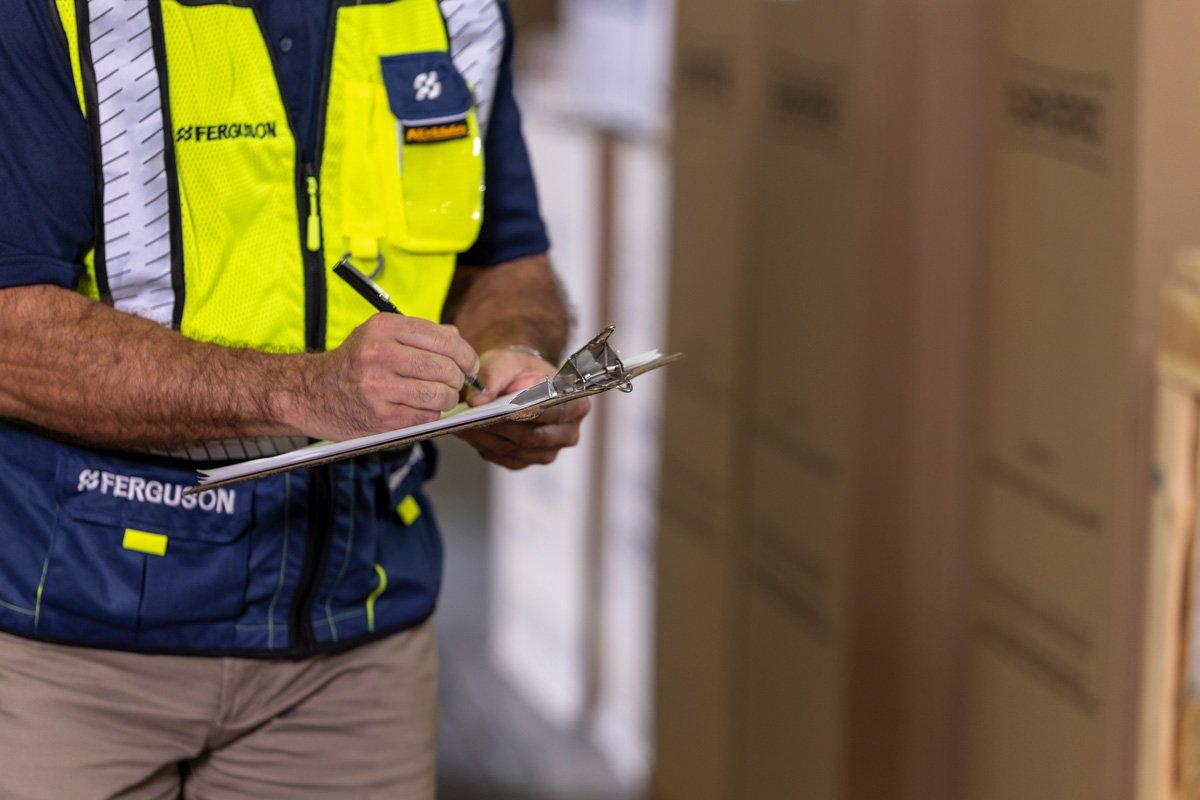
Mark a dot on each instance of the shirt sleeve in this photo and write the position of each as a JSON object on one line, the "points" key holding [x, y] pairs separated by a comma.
{"points": [[45, 156], [512, 221]]}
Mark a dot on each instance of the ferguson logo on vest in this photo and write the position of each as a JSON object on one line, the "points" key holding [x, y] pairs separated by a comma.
{"points": [[132, 487], [228, 130]]}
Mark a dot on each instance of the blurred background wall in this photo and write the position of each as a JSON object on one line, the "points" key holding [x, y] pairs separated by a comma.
{"points": [[550, 584], [914, 518]]}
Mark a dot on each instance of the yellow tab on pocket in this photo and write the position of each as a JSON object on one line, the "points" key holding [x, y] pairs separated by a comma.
{"points": [[409, 509], [154, 544]]}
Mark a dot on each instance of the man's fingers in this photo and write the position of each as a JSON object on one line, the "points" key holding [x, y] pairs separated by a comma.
{"points": [[573, 411], [512, 432], [549, 436], [409, 362], [528, 459], [488, 442], [425, 335], [428, 395], [416, 394], [505, 452], [532, 442], [500, 381], [519, 436], [508, 463], [541, 456]]}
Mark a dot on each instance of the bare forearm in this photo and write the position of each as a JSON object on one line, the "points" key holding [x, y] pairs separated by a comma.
{"points": [[520, 302], [74, 366]]}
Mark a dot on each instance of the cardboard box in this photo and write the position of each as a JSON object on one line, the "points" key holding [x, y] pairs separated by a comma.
{"points": [[530, 15], [809, 254], [845, 532], [1093, 183], [858, 461], [715, 171], [701, 582], [695, 700], [794, 740]]}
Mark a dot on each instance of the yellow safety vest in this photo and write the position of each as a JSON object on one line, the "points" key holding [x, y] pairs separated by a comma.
{"points": [[208, 219]]}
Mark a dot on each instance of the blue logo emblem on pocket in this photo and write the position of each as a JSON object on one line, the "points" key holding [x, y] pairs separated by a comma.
{"points": [[425, 88]]}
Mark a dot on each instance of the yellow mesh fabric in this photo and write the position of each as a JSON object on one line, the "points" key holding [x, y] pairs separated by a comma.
{"points": [[66, 15], [70, 27], [362, 160], [242, 252], [240, 218], [87, 282]]}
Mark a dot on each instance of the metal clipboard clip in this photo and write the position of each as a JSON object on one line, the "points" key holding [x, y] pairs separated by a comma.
{"points": [[596, 365]]}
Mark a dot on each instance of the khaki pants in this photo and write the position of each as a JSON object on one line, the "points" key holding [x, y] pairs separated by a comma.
{"points": [[78, 724]]}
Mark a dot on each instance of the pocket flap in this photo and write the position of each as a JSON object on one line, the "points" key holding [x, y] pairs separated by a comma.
{"points": [[127, 494], [425, 88], [406, 473]]}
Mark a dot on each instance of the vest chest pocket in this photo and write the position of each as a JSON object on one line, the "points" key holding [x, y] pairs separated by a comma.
{"points": [[434, 182], [130, 550]]}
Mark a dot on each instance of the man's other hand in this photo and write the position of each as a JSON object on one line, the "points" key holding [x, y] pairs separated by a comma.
{"points": [[391, 372], [516, 445]]}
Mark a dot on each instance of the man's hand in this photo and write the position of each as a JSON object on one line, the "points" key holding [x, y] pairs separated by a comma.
{"points": [[516, 445], [519, 301], [97, 375], [391, 372]]}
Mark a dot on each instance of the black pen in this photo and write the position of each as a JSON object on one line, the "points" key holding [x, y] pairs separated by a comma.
{"points": [[370, 291]]}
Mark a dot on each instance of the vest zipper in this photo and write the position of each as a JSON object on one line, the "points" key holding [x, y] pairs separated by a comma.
{"points": [[316, 553], [300, 631], [314, 261], [315, 279], [313, 239]]}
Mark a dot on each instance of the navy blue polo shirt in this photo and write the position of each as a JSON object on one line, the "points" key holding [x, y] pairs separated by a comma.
{"points": [[46, 213]]}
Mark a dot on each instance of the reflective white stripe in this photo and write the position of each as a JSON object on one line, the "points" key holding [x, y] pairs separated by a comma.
{"points": [[234, 449], [137, 225], [477, 45], [435, 121], [397, 477]]}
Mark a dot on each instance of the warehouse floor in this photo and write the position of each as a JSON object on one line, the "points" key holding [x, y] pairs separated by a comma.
{"points": [[492, 746]]}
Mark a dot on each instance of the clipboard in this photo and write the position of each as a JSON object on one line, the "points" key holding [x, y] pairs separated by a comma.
{"points": [[594, 369]]}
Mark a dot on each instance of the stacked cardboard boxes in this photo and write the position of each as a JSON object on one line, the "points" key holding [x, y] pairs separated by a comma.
{"points": [[812, 560], [1094, 182], [699, 582], [532, 15], [809, 259], [785, 642]]}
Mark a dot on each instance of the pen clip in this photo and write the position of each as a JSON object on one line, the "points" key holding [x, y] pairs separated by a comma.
{"points": [[366, 288], [370, 291]]}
